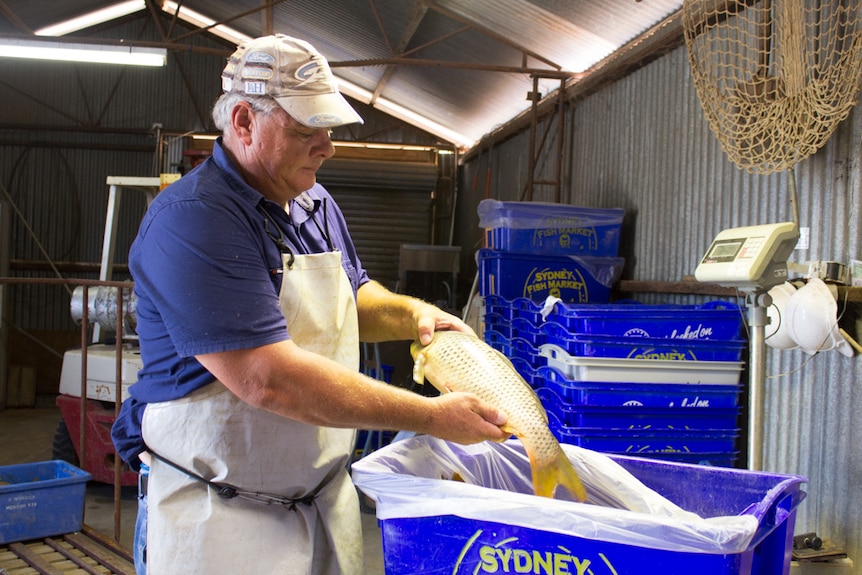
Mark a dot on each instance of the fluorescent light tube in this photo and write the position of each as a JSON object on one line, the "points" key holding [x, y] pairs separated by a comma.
{"points": [[92, 18], [72, 52]]}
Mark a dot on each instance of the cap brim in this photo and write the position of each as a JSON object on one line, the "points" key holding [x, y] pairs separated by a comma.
{"points": [[320, 110]]}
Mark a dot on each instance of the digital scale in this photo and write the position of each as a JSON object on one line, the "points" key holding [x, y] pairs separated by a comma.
{"points": [[752, 259], [749, 258]]}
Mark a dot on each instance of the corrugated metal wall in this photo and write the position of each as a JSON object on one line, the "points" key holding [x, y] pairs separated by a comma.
{"points": [[644, 144], [64, 128], [61, 200], [379, 232]]}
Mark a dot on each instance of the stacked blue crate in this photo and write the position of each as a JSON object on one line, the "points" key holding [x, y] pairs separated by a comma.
{"points": [[653, 381], [534, 250], [513, 327], [629, 378]]}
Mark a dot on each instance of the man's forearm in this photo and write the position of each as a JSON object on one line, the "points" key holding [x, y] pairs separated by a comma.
{"points": [[384, 315]]}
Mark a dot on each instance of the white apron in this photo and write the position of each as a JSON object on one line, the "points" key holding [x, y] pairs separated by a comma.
{"points": [[223, 439]]}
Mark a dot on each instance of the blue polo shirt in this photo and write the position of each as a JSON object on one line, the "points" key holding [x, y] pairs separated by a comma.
{"points": [[206, 267]]}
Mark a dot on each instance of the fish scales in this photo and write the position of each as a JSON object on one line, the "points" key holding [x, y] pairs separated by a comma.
{"points": [[456, 361]]}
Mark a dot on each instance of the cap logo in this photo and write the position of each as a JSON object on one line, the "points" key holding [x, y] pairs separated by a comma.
{"points": [[260, 58], [255, 88], [257, 73], [311, 72], [324, 120]]}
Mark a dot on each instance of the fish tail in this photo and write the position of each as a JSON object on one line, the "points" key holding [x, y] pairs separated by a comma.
{"points": [[558, 471]]}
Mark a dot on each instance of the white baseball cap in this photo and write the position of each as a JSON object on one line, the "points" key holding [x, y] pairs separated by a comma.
{"points": [[293, 73]]}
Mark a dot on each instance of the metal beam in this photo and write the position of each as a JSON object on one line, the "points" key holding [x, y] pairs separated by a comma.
{"points": [[488, 32], [409, 31], [557, 74], [14, 19], [658, 40], [264, 5]]}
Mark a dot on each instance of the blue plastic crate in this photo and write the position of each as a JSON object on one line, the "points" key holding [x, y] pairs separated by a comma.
{"points": [[40, 500], [498, 341], [573, 279], [550, 229], [385, 374], [510, 310], [526, 309], [616, 394], [642, 347], [524, 329], [515, 348], [495, 304], [526, 351], [645, 442], [721, 459], [717, 320], [444, 535], [638, 418], [525, 370], [498, 323]]}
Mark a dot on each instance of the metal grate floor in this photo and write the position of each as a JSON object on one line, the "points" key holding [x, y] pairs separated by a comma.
{"points": [[84, 552]]}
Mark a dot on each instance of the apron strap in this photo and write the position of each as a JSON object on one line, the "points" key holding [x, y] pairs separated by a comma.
{"points": [[227, 491]]}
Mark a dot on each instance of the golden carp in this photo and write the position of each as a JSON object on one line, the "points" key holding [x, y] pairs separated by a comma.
{"points": [[456, 361]]}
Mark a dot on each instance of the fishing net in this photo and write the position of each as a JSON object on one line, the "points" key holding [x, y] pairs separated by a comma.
{"points": [[774, 77]]}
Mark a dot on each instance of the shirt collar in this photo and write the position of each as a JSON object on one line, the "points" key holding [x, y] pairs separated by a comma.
{"points": [[301, 208], [305, 205]]}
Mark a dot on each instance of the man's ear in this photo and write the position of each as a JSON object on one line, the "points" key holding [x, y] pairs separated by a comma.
{"points": [[242, 120]]}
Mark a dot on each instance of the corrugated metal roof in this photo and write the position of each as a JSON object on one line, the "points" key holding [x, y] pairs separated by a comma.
{"points": [[462, 66]]}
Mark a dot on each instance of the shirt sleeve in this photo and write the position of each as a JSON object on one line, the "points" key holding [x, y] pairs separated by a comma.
{"points": [[204, 269]]}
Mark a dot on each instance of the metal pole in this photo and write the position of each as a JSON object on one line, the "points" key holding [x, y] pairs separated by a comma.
{"points": [[757, 304], [82, 434], [561, 134], [5, 249], [106, 267], [118, 399], [534, 121]]}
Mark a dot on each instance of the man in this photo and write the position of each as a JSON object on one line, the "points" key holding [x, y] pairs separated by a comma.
{"points": [[251, 303]]}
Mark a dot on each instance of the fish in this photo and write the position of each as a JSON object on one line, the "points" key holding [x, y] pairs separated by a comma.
{"points": [[459, 361]]}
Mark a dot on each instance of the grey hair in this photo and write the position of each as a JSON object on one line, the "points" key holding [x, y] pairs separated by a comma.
{"points": [[226, 102]]}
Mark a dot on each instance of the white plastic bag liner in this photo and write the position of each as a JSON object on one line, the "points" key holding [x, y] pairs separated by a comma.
{"points": [[413, 478]]}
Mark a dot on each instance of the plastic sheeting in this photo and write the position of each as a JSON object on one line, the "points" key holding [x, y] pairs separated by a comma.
{"points": [[413, 478]]}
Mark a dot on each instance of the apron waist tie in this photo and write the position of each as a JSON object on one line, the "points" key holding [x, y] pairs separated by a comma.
{"points": [[227, 491]]}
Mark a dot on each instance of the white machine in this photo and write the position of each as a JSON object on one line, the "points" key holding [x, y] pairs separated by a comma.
{"points": [[749, 258], [83, 434], [101, 372], [752, 259]]}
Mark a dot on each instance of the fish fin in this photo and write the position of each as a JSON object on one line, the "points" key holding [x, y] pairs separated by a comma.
{"points": [[419, 368], [558, 471], [510, 430]]}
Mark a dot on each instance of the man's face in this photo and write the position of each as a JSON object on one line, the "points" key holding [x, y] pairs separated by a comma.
{"points": [[289, 153]]}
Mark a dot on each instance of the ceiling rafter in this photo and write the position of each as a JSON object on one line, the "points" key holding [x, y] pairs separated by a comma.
{"points": [[489, 33], [14, 19], [264, 5], [398, 33], [543, 72], [419, 12]]}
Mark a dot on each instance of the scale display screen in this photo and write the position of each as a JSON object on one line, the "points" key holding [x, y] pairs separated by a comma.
{"points": [[749, 257], [724, 251]]}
